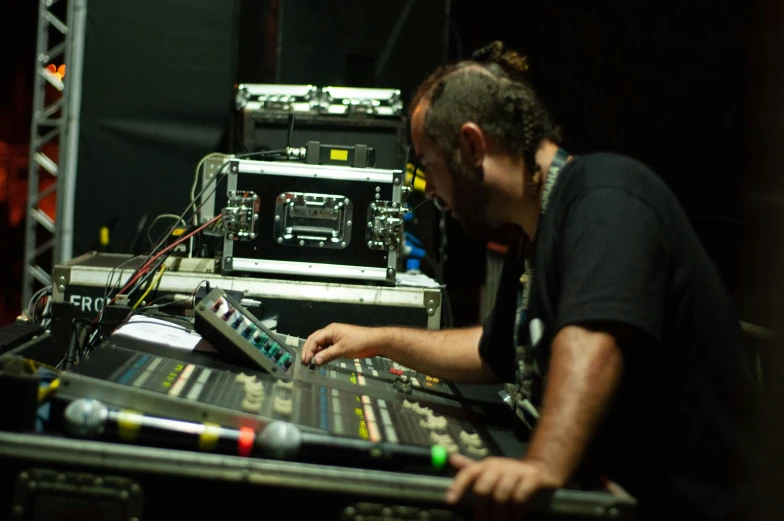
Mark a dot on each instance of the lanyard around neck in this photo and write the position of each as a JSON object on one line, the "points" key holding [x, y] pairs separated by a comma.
{"points": [[559, 160], [556, 166]]}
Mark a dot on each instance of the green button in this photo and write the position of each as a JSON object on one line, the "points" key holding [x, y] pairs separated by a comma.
{"points": [[439, 457]]}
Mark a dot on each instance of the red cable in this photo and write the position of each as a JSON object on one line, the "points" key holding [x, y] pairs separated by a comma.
{"points": [[146, 266]]}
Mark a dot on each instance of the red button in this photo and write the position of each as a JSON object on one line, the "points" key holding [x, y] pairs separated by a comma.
{"points": [[245, 441]]}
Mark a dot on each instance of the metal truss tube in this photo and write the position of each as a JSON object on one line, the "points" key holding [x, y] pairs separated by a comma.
{"points": [[69, 154]]}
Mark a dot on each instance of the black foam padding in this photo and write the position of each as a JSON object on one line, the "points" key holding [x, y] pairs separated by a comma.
{"points": [[16, 334], [18, 413]]}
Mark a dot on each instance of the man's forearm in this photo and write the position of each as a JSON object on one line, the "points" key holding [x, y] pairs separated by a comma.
{"points": [[585, 369], [451, 354]]}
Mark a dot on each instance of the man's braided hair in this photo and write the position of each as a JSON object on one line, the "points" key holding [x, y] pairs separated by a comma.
{"points": [[489, 90]]}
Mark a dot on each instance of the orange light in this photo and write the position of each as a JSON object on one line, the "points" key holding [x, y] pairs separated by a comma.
{"points": [[57, 72]]}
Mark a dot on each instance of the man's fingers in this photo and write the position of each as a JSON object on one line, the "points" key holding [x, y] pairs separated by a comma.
{"points": [[464, 478], [319, 339], [505, 487], [308, 348], [329, 354], [485, 483], [458, 461], [524, 490]]}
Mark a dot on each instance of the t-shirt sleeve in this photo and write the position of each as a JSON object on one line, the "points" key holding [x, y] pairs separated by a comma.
{"points": [[615, 262]]}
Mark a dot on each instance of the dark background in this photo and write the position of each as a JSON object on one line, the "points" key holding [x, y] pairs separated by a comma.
{"points": [[694, 89], [677, 85], [689, 88]]}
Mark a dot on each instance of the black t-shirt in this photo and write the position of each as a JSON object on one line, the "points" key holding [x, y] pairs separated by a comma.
{"points": [[615, 248]]}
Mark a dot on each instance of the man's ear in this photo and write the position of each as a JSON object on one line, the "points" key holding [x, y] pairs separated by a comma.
{"points": [[472, 144]]}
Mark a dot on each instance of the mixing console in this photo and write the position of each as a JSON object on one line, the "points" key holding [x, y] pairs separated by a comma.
{"points": [[372, 399]]}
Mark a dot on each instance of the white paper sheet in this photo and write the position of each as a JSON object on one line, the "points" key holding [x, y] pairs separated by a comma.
{"points": [[151, 329], [417, 280]]}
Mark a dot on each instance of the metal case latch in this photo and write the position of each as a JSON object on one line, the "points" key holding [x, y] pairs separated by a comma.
{"points": [[385, 226], [313, 220], [241, 215]]}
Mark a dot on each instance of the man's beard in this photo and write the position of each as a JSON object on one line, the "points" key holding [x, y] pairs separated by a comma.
{"points": [[470, 201]]}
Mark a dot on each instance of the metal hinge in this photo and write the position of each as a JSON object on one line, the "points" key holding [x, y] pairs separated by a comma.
{"points": [[432, 301], [385, 226], [241, 215]]}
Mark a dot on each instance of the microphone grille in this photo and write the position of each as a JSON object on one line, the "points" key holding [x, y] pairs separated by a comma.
{"points": [[86, 418], [280, 440]]}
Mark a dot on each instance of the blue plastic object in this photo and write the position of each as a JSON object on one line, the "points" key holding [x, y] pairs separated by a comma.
{"points": [[409, 250], [413, 240]]}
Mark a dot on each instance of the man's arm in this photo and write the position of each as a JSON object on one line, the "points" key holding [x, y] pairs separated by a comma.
{"points": [[449, 354], [585, 369]]}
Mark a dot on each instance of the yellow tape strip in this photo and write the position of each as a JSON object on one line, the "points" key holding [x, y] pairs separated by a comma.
{"points": [[128, 425], [209, 437], [43, 392]]}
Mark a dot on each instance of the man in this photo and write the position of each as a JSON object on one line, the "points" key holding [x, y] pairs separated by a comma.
{"points": [[623, 346]]}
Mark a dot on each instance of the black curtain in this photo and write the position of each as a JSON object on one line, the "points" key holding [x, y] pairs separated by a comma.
{"points": [[356, 43], [157, 96]]}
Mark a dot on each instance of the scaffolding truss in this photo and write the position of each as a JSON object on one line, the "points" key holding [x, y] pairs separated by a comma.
{"points": [[54, 138]]}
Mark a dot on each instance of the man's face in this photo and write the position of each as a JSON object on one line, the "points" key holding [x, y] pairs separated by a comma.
{"points": [[456, 185]]}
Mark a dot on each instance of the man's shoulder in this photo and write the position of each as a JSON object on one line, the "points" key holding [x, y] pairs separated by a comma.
{"points": [[608, 170]]}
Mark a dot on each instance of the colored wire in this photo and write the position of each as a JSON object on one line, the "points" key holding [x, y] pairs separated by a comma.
{"points": [[145, 267], [37, 296], [43, 392], [215, 180], [164, 216], [139, 277], [196, 181], [152, 285], [410, 210]]}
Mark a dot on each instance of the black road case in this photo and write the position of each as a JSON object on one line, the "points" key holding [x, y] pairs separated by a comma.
{"points": [[44, 477], [320, 221], [301, 307]]}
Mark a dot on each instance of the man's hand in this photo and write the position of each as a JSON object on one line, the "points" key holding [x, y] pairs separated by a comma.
{"points": [[341, 341], [501, 485]]}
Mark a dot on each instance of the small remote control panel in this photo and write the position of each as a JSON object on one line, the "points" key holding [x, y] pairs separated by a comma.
{"points": [[241, 337]]}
